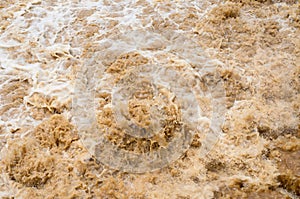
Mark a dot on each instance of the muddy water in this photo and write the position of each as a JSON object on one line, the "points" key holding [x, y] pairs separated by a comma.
{"points": [[243, 146]]}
